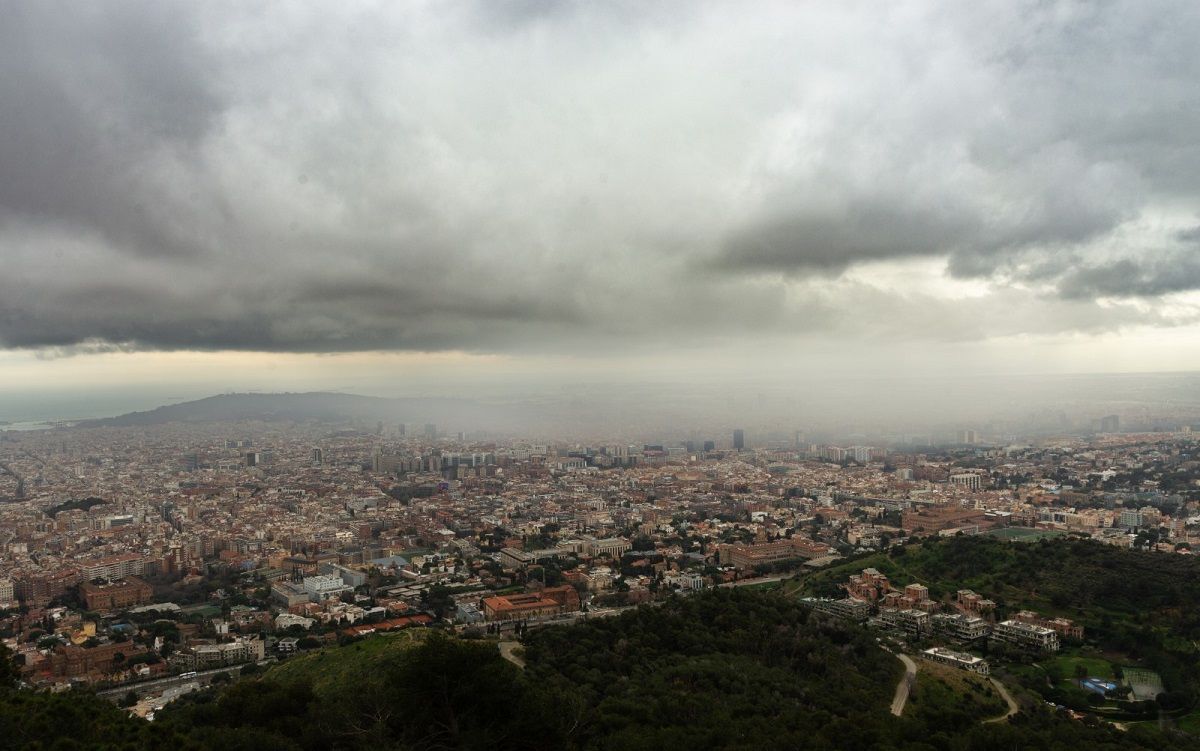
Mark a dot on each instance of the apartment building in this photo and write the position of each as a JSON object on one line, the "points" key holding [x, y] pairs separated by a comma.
{"points": [[961, 627], [914, 623], [1062, 626], [1026, 636], [959, 660], [848, 608], [114, 567]]}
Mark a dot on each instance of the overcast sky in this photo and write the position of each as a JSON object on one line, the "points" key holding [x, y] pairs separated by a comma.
{"points": [[216, 190]]}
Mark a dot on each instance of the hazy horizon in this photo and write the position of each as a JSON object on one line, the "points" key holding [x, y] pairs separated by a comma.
{"points": [[870, 408], [477, 198]]}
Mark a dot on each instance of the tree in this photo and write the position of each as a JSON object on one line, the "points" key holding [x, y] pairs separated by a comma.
{"points": [[440, 600], [8, 668]]}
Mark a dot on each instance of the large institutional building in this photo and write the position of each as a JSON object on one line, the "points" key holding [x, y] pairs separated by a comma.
{"points": [[116, 594], [549, 601], [751, 556]]}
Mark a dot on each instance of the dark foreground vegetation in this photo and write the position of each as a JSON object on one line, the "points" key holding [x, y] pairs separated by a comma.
{"points": [[726, 669]]}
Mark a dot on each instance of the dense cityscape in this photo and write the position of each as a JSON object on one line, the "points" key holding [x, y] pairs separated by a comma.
{"points": [[145, 562]]}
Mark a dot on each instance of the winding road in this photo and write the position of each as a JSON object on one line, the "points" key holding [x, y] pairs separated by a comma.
{"points": [[1013, 708], [506, 651], [905, 685]]}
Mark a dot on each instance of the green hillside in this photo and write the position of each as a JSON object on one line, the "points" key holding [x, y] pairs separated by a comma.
{"points": [[1104, 587], [1137, 608], [725, 669], [333, 669]]}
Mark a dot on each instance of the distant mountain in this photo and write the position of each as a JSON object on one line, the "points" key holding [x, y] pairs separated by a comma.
{"points": [[447, 414]]}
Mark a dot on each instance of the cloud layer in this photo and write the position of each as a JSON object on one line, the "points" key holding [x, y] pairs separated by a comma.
{"points": [[511, 177]]}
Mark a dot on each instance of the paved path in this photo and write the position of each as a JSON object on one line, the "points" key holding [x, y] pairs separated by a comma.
{"points": [[905, 685], [1012, 704], [506, 651]]}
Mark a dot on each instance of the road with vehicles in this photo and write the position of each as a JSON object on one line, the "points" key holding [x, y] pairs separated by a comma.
{"points": [[158, 685]]}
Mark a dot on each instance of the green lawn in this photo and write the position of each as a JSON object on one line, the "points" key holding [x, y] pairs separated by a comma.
{"points": [[764, 586], [1063, 666], [1190, 723]]}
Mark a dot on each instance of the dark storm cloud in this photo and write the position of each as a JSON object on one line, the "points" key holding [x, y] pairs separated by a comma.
{"points": [[563, 176], [883, 228], [1134, 278], [91, 94], [1189, 235]]}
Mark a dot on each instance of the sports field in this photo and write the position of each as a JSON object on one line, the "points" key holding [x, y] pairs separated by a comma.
{"points": [[1024, 534]]}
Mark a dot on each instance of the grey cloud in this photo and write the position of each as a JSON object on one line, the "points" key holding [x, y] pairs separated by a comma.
{"points": [[1065, 123], [1134, 278], [831, 240], [565, 176], [94, 95], [1047, 210], [1189, 235]]}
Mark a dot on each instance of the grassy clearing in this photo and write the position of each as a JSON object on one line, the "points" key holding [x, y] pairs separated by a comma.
{"points": [[764, 586], [340, 666], [1063, 667], [941, 688], [1190, 723]]}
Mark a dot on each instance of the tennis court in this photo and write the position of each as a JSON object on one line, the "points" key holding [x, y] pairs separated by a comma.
{"points": [[1146, 684]]}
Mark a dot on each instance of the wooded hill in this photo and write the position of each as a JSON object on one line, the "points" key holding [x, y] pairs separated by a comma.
{"points": [[728, 669]]}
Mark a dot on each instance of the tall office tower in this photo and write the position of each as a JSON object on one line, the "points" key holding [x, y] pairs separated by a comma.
{"points": [[317, 456], [400, 430], [710, 445], [430, 430], [967, 437], [252, 458], [800, 439], [739, 439], [1110, 424]]}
